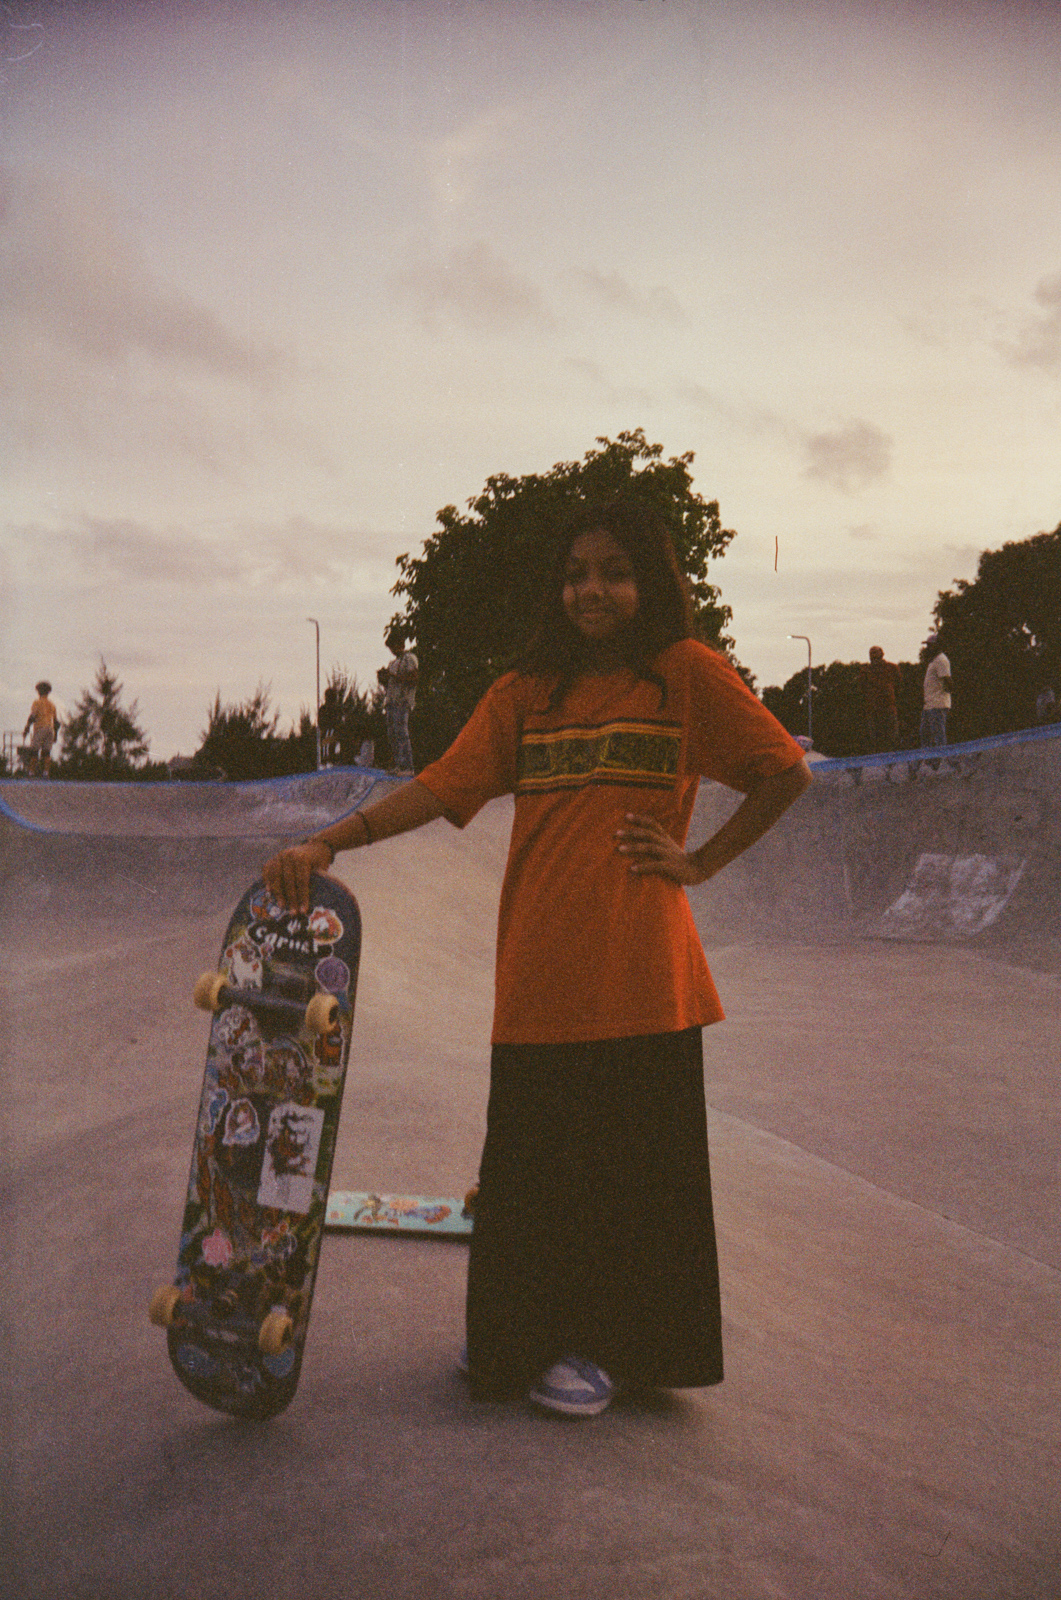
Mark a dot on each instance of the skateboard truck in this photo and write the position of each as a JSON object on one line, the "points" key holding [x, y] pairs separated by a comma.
{"points": [[212, 993], [275, 1333]]}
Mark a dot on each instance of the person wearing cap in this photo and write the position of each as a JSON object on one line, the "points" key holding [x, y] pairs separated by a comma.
{"points": [[880, 680], [937, 692], [44, 720]]}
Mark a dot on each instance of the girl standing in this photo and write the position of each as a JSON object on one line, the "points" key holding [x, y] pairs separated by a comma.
{"points": [[593, 1263]]}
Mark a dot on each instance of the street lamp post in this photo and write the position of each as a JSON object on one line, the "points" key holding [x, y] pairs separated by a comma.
{"points": [[317, 625], [810, 688]]}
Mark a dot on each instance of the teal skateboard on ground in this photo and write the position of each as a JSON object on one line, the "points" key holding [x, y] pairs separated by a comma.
{"points": [[400, 1213], [282, 1001]]}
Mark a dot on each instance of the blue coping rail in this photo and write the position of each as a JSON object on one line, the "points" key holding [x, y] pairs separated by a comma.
{"points": [[376, 774], [892, 758], [824, 764]]}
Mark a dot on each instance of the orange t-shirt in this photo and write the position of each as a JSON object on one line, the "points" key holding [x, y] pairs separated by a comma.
{"points": [[585, 949]]}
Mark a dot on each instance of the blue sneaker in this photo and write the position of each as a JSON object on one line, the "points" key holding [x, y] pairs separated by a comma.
{"points": [[573, 1387]]}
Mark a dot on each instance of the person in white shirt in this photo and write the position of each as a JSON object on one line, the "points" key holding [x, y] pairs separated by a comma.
{"points": [[937, 692], [400, 678]]}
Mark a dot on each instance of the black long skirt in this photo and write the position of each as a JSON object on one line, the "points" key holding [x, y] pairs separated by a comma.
{"points": [[594, 1233]]}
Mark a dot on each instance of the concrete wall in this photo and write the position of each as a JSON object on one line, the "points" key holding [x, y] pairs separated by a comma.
{"points": [[964, 847]]}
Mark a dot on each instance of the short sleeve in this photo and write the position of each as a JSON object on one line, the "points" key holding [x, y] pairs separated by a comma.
{"points": [[733, 739], [480, 764]]}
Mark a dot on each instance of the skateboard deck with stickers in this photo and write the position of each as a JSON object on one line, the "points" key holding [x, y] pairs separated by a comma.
{"points": [[366, 1212], [282, 1000]]}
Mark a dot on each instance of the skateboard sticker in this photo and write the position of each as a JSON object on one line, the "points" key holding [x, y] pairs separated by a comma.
{"points": [[243, 1059], [243, 964], [197, 1361], [291, 1146], [217, 1249], [328, 1047], [287, 1071], [333, 975], [214, 1104], [241, 1125], [263, 905], [279, 1243], [277, 932]]}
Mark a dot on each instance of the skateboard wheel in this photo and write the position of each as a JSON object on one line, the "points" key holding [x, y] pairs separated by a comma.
{"points": [[207, 991], [469, 1201], [275, 1333], [322, 1013], [163, 1305]]}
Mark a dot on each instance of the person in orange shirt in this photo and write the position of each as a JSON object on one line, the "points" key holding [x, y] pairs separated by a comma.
{"points": [[880, 683], [44, 720], [593, 1263]]}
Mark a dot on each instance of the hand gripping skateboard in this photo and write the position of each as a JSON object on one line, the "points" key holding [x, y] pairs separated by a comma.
{"points": [[282, 1003]]}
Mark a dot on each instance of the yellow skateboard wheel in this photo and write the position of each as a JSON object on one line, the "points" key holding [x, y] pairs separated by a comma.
{"points": [[275, 1333], [163, 1305], [207, 991]]}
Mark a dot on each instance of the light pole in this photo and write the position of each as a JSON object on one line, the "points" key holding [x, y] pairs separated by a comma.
{"points": [[317, 625], [810, 688]]}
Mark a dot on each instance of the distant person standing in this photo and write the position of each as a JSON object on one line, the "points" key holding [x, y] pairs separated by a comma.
{"points": [[44, 720], [328, 726], [937, 692], [880, 680], [399, 678]]}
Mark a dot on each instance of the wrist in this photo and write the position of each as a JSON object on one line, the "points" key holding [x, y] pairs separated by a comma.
{"points": [[700, 867], [317, 840]]}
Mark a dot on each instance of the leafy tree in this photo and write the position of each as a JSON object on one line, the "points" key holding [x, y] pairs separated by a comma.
{"points": [[1002, 635], [103, 739], [472, 597], [839, 721], [351, 715], [241, 740]]}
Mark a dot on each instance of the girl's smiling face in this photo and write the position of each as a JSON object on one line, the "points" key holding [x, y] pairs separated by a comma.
{"points": [[600, 587]]}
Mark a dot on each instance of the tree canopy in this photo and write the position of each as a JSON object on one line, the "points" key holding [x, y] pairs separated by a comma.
{"points": [[1002, 635], [241, 741], [103, 738], [472, 597], [840, 722], [1001, 632]]}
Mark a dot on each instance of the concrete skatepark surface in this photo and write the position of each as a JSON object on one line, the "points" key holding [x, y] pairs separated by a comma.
{"points": [[884, 1123]]}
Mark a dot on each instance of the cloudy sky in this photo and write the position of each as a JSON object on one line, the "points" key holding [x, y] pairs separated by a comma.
{"points": [[280, 278]]}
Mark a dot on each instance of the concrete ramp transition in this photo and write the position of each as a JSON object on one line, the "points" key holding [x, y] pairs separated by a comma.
{"points": [[961, 846]]}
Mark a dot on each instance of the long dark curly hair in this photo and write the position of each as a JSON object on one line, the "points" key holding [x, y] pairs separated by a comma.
{"points": [[664, 613]]}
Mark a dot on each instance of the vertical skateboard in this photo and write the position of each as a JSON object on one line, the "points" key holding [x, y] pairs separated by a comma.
{"points": [[282, 1003]]}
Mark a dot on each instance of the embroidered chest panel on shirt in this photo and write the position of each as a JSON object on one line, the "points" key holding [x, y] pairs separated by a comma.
{"points": [[626, 752]]}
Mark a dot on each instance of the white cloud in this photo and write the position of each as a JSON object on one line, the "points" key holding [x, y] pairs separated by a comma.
{"points": [[476, 287], [625, 394], [850, 458], [71, 277], [297, 553], [1039, 339], [612, 291]]}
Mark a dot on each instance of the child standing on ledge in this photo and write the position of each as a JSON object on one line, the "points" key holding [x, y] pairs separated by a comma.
{"points": [[593, 1264]]}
